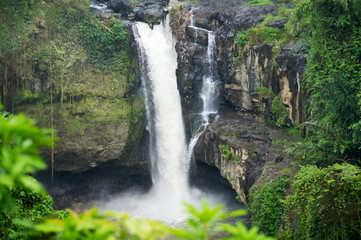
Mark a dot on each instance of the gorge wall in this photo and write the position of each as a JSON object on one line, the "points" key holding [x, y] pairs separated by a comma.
{"points": [[80, 76], [99, 113], [240, 144]]}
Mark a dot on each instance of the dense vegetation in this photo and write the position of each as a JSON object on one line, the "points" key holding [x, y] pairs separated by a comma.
{"points": [[326, 202], [58, 60], [323, 199], [267, 207], [63, 62], [69, 71], [333, 78], [27, 213]]}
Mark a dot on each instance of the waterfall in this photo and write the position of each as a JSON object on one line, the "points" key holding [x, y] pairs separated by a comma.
{"points": [[168, 144], [208, 94], [167, 149]]}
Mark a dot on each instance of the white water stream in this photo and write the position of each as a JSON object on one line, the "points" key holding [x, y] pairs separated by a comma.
{"points": [[170, 159], [209, 91], [169, 166]]}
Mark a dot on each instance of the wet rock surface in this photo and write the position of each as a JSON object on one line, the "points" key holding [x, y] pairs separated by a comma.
{"points": [[151, 11], [76, 190], [241, 125], [242, 75], [97, 154], [248, 137]]}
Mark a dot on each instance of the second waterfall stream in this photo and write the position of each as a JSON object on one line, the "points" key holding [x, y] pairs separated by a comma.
{"points": [[167, 148]]}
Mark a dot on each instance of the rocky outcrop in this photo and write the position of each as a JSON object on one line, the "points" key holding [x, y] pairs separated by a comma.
{"points": [[250, 16], [241, 127], [192, 49], [291, 65], [281, 74], [252, 71], [95, 118], [151, 12], [66, 80], [251, 144], [240, 76]]}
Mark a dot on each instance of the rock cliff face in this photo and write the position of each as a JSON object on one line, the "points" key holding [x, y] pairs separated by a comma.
{"points": [[251, 145], [241, 126], [281, 74], [97, 120], [146, 11], [95, 107], [100, 121]]}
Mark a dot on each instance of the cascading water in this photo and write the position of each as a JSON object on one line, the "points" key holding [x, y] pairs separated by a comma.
{"points": [[168, 151], [169, 166], [209, 91]]}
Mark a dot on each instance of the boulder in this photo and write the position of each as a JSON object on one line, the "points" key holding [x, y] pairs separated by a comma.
{"points": [[150, 13], [146, 11], [250, 16], [277, 24], [122, 6]]}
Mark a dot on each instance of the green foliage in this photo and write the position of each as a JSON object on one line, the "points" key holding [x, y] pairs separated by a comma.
{"points": [[280, 112], [107, 47], [264, 92], [231, 134], [260, 2], [241, 42], [63, 15], [228, 155], [15, 18], [278, 115], [226, 152], [29, 205], [333, 78], [52, 57], [258, 35], [21, 196], [203, 224], [264, 34], [326, 203], [266, 205], [19, 153], [284, 12]]}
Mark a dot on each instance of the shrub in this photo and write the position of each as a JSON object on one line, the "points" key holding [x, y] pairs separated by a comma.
{"points": [[326, 203], [203, 224], [241, 42], [277, 115], [264, 34], [21, 196], [228, 155], [29, 205], [331, 30], [280, 112], [266, 205], [260, 2], [226, 152], [264, 92], [107, 47]]}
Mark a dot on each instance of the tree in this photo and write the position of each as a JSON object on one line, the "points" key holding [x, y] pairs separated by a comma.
{"points": [[332, 29]]}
